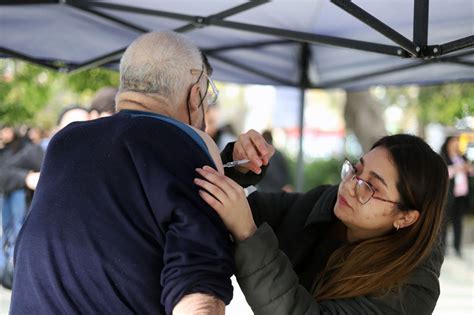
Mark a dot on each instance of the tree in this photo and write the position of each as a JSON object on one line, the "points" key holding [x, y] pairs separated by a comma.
{"points": [[34, 95], [92, 80], [364, 116], [24, 90], [445, 103]]}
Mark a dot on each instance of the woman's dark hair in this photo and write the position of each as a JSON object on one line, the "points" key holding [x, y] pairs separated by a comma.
{"points": [[376, 265]]}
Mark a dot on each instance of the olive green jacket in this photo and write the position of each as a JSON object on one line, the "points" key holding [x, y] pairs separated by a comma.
{"points": [[267, 275]]}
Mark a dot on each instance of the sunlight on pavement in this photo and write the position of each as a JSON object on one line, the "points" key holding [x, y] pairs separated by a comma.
{"points": [[457, 284]]}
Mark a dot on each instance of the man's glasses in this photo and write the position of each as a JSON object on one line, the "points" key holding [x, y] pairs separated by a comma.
{"points": [[212, 92], [364, 190]]}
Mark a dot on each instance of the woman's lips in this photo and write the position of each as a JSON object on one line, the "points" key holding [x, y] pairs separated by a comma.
{"points": [[344, 202]]}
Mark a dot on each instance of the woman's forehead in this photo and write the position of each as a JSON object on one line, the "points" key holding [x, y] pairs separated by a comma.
{"points": [[379, 161]]}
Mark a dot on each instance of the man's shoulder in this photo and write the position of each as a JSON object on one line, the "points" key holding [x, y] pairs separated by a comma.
{"points": [[163, 131]]}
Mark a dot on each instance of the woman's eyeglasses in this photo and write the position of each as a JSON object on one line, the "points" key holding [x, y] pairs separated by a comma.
{"points": [[364, 190]]}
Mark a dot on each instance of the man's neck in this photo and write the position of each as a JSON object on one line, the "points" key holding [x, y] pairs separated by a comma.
{"points": [[144, 102]]}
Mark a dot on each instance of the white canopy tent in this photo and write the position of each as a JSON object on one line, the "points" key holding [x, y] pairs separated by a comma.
{"points": [[299, 43]]}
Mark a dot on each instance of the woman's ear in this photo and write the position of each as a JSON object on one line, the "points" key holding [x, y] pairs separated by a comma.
{"points": [[195, 98], [406, 219]]}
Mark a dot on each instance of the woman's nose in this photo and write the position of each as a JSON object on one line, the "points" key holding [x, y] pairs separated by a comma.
{"points": [[350, 185]]}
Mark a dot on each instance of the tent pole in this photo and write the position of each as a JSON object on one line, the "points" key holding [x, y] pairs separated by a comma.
{"points": [[14, 54], [304, 83], [300, 162], [379, 26], [455, 45], [420, 23]]}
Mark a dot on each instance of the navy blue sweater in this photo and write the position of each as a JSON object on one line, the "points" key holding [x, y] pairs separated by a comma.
{"points": [[116, 224]]}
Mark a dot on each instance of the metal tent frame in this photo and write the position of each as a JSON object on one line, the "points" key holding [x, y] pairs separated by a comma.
{"points": [[418, 48]]}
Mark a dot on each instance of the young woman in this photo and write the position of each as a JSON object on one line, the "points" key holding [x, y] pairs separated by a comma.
{"points": [[458, 197], [367, 246]]}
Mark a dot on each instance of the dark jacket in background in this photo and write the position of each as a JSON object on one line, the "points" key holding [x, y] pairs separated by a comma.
{"points": [[117, 225], [277, 175], [277, 266], [14, 166]]}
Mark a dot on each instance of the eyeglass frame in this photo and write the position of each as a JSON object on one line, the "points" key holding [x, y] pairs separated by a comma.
{"points": [[202, 73], [360, 181]]}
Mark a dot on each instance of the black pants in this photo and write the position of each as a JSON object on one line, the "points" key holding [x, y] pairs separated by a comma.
{"points": [[454, 215]]}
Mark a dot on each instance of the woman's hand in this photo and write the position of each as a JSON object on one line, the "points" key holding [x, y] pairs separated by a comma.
{"points": [[229, 200], [252, 146]]}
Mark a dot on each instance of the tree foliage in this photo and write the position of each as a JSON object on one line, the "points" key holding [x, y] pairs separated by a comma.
{"points": [[33, 95], [92, 80], [445, 103], [24, 90]]}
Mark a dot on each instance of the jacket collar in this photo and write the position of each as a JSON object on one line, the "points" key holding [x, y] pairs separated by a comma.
{"points": [[323, 209]]}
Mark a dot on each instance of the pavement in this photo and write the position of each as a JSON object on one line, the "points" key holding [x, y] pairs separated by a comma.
{"points": [[457, 284], [457, 288]]}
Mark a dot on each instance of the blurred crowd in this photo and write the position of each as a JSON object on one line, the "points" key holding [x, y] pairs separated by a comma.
{"points": [[22, 151]]}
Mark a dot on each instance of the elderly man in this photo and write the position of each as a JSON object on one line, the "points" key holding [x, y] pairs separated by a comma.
{"points": [[117, 225]]}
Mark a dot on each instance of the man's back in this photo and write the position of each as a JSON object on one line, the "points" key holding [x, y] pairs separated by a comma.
{"points": [[116, 224]]}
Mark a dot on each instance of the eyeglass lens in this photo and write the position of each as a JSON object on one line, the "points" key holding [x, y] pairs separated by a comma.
{"points": [[363, 190], [211, 92]]}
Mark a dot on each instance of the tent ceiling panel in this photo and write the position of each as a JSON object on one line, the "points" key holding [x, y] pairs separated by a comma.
{"points": [[212, 37], [62, 33], [320, 16], [282, 65], [414, 75], [187, 7], [248, 41]]}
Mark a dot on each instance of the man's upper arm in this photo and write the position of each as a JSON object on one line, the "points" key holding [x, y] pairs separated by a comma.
{"points": [[199, 304], [197, 251], [198, 258]]}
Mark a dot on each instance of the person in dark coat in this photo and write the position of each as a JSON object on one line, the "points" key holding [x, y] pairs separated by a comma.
{"points": [[20, 161], [368, 246], [277, 176], [458, 196]]}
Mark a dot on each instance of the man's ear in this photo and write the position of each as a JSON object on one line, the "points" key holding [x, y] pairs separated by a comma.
{"points": [[407, 218], [195, 98]]}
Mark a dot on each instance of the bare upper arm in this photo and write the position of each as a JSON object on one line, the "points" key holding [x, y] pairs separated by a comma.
{"points": [[199, 304], [213, 149]]}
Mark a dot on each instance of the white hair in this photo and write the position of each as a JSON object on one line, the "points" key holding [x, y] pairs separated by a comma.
{"points": [[160, 62]]}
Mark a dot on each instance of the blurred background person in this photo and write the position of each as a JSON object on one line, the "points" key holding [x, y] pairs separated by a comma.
{"points": [[20, 160], [20, 164], [458, 196], [71, 114], [221, 133], [36, 135], [68, 115], [103, 104], [277, 177]]}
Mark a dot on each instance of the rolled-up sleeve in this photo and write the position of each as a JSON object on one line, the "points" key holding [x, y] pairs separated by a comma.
{"points": [[197, 258], [198, 254]]}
